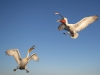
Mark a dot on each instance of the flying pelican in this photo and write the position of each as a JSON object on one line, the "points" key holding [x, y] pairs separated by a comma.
{"points": [[22, 62], [73, 29]]}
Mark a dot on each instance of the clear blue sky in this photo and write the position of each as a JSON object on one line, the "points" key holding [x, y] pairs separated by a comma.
{"points": [[24, 23]]}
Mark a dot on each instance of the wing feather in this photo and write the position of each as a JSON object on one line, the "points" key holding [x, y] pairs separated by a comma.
{"points": [[85, 22], [34, 57], [15, 53]]}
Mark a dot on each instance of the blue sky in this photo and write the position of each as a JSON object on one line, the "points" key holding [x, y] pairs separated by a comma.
{"points": [[24, 23]]}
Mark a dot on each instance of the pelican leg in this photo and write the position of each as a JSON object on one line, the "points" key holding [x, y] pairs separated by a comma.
{"points": [[72, 33], [16, 68], [65, 33], [27, 71]]}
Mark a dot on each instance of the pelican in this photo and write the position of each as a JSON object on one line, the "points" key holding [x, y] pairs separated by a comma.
{"points": [[22, 62], [73, 29]]}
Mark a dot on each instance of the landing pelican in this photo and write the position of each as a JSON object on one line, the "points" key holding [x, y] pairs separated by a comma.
{"points": [[22, 62], [73, 29]]}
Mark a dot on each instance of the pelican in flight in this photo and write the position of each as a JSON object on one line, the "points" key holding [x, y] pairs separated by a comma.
{"points": [[22, 62], [73, 29]]}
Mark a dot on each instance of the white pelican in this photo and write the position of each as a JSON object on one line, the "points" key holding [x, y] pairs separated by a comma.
{"points": [[22, 62], [73, 29]]}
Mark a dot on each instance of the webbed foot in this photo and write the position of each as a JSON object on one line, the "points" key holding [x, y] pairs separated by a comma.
{"points": [[14, 70], [27, 71], [65, 33]]}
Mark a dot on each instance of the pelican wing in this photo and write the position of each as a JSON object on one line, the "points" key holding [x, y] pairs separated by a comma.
{"points": [[34, 57], [33, 47], [15, 53], [85, 22]]}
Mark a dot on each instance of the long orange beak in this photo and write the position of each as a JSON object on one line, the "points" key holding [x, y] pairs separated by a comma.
{"points": [[62, 21]]}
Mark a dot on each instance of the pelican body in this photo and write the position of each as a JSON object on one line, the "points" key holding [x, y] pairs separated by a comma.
{"points": [[22, 63], [73, 29]]}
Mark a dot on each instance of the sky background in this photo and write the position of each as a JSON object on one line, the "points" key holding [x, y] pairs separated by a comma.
{"points": [[24, 23]]}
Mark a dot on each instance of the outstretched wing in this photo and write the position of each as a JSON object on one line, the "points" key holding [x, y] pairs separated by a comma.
{"points": [[15, 53], [85, 22], [34, 57]]}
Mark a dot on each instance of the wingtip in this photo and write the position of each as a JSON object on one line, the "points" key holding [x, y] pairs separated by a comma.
{"points": [[97, 16]]}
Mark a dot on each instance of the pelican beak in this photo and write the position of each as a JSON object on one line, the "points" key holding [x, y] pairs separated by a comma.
{"points": [[58, 20], [59, 30], [56, 13]]}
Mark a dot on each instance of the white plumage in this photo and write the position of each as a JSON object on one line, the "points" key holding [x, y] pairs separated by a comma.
{"points": [[74, 28], [22, 62], [85, 22]]}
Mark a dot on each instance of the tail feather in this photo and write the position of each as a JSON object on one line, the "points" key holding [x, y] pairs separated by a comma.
{"points": [[75, 36]]}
